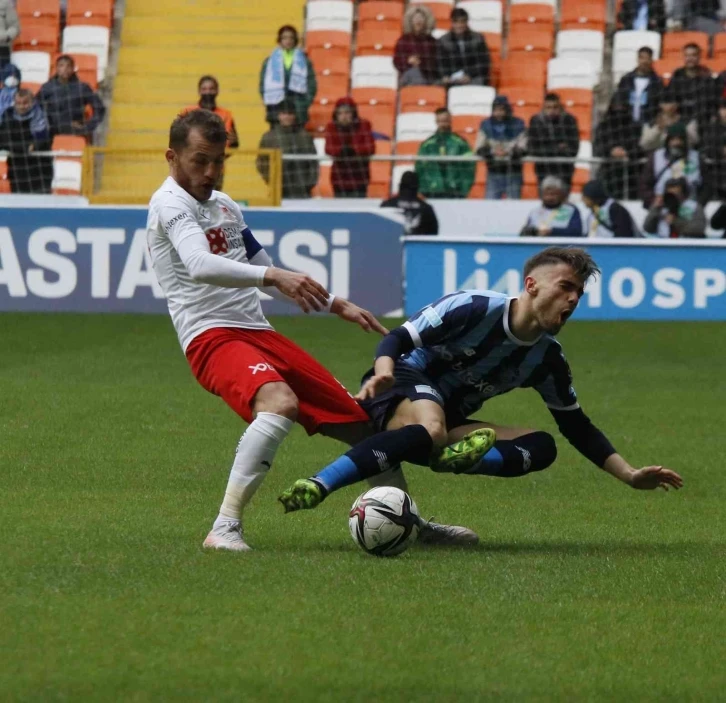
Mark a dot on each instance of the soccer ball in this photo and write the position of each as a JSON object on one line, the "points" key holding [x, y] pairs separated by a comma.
{"points": [[384, 521]]}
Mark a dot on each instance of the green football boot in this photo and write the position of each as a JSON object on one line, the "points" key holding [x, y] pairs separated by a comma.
{"points": [[459, 457], [304, 494]]}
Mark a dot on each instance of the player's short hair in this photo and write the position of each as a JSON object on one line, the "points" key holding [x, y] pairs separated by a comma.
{"points": [[691, 45], [210, 125], [204, 79], [459, 13], [577, 259], [552, 97], [646, 50]]}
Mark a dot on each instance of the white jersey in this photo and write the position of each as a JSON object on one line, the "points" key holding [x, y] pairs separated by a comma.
{"points": [[182, 235]]}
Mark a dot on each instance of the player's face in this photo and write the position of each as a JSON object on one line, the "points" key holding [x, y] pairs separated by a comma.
{"points": [[198, 166], [555, 291]]}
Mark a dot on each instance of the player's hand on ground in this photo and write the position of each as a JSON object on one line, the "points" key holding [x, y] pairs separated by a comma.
{"points": [[352, 313], [306, 292], [374, 386], [651, 477]]}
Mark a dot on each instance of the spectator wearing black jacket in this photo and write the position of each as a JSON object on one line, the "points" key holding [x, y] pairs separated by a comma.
{"points": [[65, 98], [718, 221], [553, 132], [419, 217], [693, 87], [616, 139], [642, 88], [463, 54], [643, 15], [607, 218], [698, 15], [713, 156]]}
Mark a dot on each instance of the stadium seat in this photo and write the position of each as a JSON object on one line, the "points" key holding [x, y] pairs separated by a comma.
{"points": [[34, 65], [719, 45], [586, 44], [718, 64], [666, 66], [323, 189], [329, 15], [471, 100], [334, 66], [380, 172], [440, 10], [467, 126], [532, 13], [332, 86], [582, 168], [583, 14], [88, 40], [583, 115], [373, 72], [625, 49], [576, 97], [530, 188], [86, 68], [534, 39], [36, 35], [377, 15], [381, 117], [673, 43], [322, 58], [67, 170], [327, 40], [415, 126], [4, 180], [376, 42], [570, 73], [422, 98], [494, 44], [480, 179], [67, 142], [523, 70], [399, 169], [385, 97], [48, 11], [526, 101], [528, 2], [484, 15], [97, 13]]}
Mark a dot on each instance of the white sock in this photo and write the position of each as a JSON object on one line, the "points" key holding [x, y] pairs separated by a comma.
{"points": [[253, 460]]}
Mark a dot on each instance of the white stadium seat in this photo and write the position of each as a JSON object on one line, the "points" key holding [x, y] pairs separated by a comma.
{"points": [[329, 15], [431, 2], [87, 39], [67, 176], [398, 170], [586, 44], [625, 50], [373, 72], [34, 65], [471, 100], [320, 151], [484, 15], [415, 126], [570, 73], [535, 2], [438, 33], [584, 152]]}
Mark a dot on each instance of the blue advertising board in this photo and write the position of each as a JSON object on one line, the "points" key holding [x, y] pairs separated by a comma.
{"points": [[97, 260], [641, 279]]}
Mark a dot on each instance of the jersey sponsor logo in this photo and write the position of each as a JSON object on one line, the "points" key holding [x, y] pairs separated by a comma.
{"points": [[427, 390], [261, 368], [222, 239], [432, 316], [174, 220]]}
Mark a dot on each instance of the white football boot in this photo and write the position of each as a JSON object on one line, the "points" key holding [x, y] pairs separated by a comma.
{"points": [[227, 535], [434, 533]]}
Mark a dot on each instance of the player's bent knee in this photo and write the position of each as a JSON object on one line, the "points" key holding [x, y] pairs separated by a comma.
{"points": [[276, 398], [437, 431], [544, 450]]}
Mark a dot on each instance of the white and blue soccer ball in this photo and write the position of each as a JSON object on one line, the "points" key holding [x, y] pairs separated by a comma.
{"points": [[384, 521]]}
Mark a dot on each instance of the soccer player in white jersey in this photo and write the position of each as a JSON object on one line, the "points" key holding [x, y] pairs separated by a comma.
{"points": [[210, 268]]}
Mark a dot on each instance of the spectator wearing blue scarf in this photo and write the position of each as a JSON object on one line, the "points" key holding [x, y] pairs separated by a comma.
{"points": [[502, 141], [287, 74], [9, 84]]}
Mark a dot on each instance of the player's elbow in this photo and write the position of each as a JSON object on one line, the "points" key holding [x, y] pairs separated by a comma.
{"points": [[200, 269]]}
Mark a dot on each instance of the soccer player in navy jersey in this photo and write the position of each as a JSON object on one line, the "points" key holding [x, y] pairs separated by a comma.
{"points": [[444, 363]]}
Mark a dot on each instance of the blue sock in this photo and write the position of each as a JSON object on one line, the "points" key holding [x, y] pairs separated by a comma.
{"points": [[377, 454], [518, 457]]}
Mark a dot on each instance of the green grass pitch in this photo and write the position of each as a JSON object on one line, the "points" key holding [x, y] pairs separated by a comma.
{"points": [[113, 463]]}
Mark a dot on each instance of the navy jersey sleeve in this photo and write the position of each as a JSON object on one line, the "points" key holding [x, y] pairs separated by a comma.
{"points": [[556, 387]]}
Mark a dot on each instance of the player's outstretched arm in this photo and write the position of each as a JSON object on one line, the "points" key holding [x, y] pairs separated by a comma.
{"points": [[351, 312], [647, 479], [305, 291]]}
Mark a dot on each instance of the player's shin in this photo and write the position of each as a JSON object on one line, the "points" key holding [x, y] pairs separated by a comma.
{"points": [[518, 457], [393, 477], [255, 453]]}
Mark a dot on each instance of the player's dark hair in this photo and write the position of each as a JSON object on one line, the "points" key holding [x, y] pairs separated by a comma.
{"points": [[692, 46], [65, 57], [442, 111], [552, 97], [287, 28], [204, 79], [646, 50], [459, 13], [209, 124], [577, 259]]}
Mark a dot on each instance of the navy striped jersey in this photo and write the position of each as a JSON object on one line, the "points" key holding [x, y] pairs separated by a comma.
{"points": [[463, 344]]}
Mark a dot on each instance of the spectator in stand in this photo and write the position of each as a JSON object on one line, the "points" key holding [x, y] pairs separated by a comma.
{"points": [[674, 160], [642, 88], [693, 87], [718, 221], [415, 57], [607, 217], [65, 98], [698, 15], [721, 85], [616, 139], [555, 217], [298, 177], [502, 141], [9, 84], [287, 74], [445, 179], [24, 131], [713, 156], [643, 15], [653, 135], [553, 132], [349, 140], [676, 215], [418, 216], [208, 88], [463, 54], [9, 29]]}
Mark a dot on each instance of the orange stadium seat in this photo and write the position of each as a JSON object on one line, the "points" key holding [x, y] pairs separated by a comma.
{"points": [[4, 180], [467, 126], [532, 39], [718, 64], [407, 148], [324, 39], [67, 169], [526, 101], [47, 11], [36, 35], [336, 66], [530, 189], [532, 13], [381, 117], [719, 45], [480, 179], [422, 98], [374, 96], [665, 67], [583, 115], [376, 42], [441, 12], [321, 58], [583, 14], [575, 97], [332, 86], [380, 171], [523, 70], [673, 43], [98, 13], [324, 188], [377, 15], [319, 114]]}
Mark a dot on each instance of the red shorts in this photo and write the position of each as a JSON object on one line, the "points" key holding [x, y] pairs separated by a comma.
{"points": [[235, 363]]}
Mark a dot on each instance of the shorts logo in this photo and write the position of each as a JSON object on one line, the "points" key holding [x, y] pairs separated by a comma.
{"points": [[427, 390], [261, 368], [217, 241]]}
